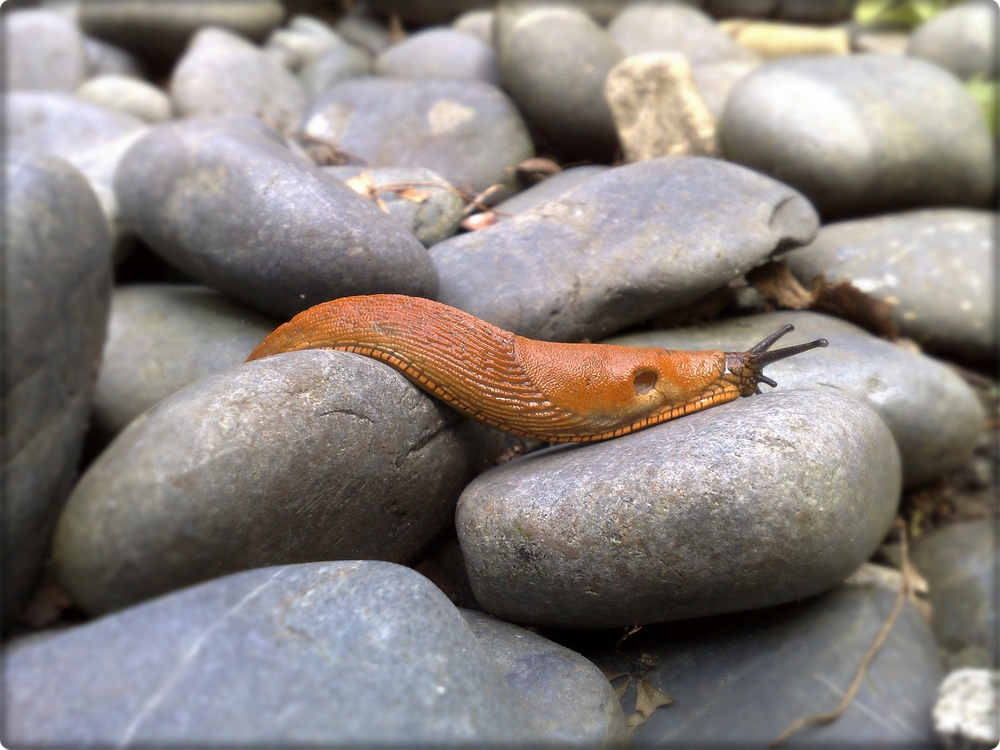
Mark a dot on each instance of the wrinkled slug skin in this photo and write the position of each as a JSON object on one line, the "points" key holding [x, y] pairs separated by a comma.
{"points": [[538, 389]]}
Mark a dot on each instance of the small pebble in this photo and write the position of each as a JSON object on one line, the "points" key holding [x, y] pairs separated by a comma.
{"points": [[440, 53], [657, 108], [128, 95], [223, 74]]}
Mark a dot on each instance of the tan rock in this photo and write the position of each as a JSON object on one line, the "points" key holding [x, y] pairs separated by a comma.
{"points": [[657, 108], [773, 40]]}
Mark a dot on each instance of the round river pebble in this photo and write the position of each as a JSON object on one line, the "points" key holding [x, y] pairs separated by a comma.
{"points": [[468, 131], [161, 339], [749, 504], [611, 252], [856, 135], [930, 265], [306, 456], [56, 292], [244, 215], [328, 653]]}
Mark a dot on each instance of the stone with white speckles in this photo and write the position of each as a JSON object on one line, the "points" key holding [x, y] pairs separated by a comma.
{"points": [[935, 266], [467, 131]]}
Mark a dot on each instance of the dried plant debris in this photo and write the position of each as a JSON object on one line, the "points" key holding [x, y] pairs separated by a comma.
{"points": [[782, 290], [534, 170], [648, 697], [776, 283], [325, 153], [846, 301]]}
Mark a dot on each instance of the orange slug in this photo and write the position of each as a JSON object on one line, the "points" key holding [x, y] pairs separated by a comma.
{"points": [[536, 389]]}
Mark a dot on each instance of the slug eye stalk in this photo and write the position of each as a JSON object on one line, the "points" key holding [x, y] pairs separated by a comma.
{"points": [[746, 368]]}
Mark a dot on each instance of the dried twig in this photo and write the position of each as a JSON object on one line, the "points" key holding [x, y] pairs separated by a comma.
{"points": [[859, 676]]}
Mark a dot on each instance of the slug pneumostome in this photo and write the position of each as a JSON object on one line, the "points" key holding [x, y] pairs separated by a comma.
{"points": [[536, 389]]}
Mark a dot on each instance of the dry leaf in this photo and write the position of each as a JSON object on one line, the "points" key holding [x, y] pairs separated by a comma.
{"points": [[47, 604], [844, 300], [412, 194], [648, 698], [536, 169], [615, 675], [775, 281], [363, 184], [479, 221]]}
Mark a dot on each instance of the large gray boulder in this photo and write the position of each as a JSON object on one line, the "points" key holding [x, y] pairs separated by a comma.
{"points": [[857, 134], [56, 292], [355, 654], [745, 505], [306, 456], [241, 213], [622, 247]]}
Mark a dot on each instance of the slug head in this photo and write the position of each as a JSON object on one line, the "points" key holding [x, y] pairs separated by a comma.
{"points": [[746, 369]]}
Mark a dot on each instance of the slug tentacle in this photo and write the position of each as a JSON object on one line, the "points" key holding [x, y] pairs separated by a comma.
{"points": [[550, 391], [747, 367]]}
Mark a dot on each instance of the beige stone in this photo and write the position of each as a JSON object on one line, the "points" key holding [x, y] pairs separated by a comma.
{"points": [[773, 40], [657, 108]]}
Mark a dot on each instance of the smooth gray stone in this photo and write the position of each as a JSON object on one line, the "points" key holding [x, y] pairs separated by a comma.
{"points": [[305, 39], [440, 53], [43, 51], [105, 59], [612, 252], [332, 67], [56, 291], [715, 80], [930, 264], [962, 39], [99, 165], [748, 504], [861, 134], [553, 60], [816, 11], [568, 695], [479, 23], [160, 30], [741, 8], [933, 414], [326, 654], [548, 189], [364, 31], [431, 216], [129, 95], [161, 339], [960, 563], [244, 215], [59, 124], [740, 680], [467, 131], [311, 455], [424, 12], [675, 27], [223, 74]]}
